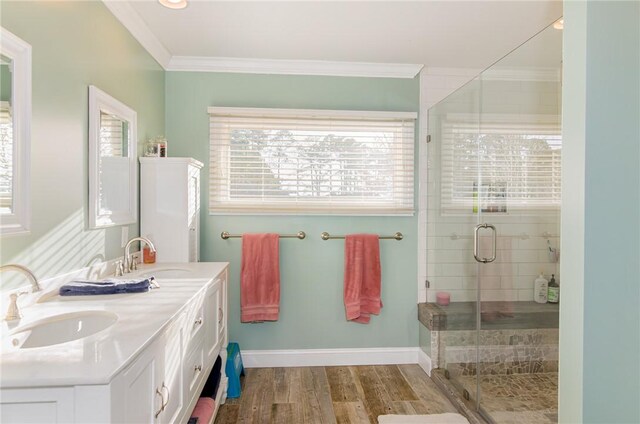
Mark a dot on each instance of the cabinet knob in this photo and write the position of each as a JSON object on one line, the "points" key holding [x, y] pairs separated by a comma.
{"points": [[198, 321], [197, 368], [220, 315]]}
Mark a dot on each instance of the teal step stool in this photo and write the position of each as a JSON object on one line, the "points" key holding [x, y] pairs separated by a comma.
{"points": [[234, 370]]}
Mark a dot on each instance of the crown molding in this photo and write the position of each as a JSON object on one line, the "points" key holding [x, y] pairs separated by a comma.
{"points": [[293, 67], [132, 21]]}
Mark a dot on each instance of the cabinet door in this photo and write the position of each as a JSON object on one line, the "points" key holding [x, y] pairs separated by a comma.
{"points": [[194, 368], [194, 213], [46, 405], [213, 313], [144, 399], [171, 384]]}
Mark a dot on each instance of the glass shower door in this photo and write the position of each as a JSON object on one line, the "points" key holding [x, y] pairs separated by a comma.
{"points": [[454, 125], [493, 226], [518, 227]]}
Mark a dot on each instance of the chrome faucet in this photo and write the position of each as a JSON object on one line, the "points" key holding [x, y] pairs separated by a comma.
{"points": [[13, 312], [128, 263]]}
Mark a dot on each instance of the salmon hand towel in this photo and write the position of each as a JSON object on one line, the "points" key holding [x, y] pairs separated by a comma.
{"points": [[362, 277], [260, 278]]}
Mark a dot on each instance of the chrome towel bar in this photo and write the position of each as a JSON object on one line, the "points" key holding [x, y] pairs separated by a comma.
{"points": [[300, 235], [397, 236]]}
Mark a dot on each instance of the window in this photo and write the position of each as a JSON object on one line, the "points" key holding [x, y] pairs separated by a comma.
{"points": [[6, 159], [501, 166], [15, 134], [311, 162]]}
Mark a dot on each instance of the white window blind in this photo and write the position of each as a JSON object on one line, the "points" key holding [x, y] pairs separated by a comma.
{"points": [[111, 135], [6, 159], [500, 166], [311, 162]]}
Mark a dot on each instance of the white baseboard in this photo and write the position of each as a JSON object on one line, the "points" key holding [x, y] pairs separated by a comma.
{"points": [[329, 357], [424, 361]]}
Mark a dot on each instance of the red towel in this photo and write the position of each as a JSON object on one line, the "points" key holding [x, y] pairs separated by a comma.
{"points": [[362, 277], [260, 278], [204, 410]]}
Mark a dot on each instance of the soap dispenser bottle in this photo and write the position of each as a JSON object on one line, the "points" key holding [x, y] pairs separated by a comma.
{"points": [[553, 292], [540, 290], [148, 257]]}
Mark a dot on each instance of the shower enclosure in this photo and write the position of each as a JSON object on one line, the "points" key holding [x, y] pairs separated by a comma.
{"points": [[493, 225]]}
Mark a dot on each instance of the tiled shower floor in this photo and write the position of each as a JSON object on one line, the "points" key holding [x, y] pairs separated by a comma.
{"points": [[517, 398]]}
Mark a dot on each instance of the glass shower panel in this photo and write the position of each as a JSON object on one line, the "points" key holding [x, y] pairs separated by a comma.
{"points": [[493, 225], [454, 128], [518, 189]]}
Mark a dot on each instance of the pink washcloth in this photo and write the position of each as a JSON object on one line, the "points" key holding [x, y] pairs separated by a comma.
{"points": [[362, 277], [204, 410], [260, 278]]}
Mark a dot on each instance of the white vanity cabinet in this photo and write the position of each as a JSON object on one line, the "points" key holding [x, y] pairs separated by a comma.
{"points": [[161, 383], [151, 388], [170, 207]]}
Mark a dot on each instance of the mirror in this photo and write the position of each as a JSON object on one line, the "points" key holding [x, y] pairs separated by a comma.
{"points": [[15, 125], [113, 193]]}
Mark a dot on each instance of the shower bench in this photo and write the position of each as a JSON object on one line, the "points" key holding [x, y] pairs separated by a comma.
{"points": [[515, 337]]}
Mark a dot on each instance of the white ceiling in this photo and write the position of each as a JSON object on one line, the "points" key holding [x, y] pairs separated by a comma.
{"points": [[452, 34]]}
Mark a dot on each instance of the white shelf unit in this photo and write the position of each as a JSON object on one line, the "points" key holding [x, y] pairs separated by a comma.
{"points": [[170, 207]]}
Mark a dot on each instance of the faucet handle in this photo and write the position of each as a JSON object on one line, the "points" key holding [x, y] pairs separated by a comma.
{"points": [[134, 262], [13, 312], [119, 269]]}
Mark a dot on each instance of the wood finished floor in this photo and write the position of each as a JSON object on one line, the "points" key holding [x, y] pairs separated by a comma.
{"points": [[341, 395]]}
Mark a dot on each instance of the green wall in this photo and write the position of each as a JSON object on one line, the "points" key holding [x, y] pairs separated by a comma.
{"points": [[5, 83], [604, 105], [312, 311], [611, 284], [74, 44]]}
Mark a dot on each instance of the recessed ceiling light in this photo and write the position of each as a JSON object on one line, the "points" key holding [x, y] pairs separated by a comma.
{"points": [[174, 4], [559, 24]]}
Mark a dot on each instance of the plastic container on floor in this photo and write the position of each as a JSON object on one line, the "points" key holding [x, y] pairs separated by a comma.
{"points": [[234, 369]]}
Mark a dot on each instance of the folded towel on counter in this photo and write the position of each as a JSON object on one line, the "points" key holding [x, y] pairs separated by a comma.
{"points": [[89, 288], [260, 278]]}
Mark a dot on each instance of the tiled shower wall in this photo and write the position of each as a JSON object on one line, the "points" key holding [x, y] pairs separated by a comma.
{"points": [[445, 241]]}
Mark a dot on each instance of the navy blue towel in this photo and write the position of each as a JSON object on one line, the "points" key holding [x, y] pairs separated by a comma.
{"points": [[88, 288], [212, 384]]}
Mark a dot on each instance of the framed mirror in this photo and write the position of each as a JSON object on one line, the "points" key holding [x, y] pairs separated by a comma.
{"points": [[113, 177], [15, 134]]}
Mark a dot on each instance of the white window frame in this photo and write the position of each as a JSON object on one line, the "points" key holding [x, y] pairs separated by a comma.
{"points": [[290, 207], [100, 101], [19, 221], [535, 123]]}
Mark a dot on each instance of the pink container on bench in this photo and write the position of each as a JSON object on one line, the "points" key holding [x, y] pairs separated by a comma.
{"points": [[443, 298]]}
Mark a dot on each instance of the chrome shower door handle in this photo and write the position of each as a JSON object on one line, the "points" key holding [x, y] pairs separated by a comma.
{"points": [[475, 243], [494, 243]]}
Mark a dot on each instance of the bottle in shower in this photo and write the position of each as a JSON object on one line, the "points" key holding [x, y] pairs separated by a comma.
{"points": [[540, 288], [553, 292]]}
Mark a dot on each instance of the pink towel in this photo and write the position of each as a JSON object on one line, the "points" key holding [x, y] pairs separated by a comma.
{"points": [[260, 278], [362, 277], [204, 410]]}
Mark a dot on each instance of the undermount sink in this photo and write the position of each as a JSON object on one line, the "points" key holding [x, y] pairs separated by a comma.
{"points": [[166, 273], [62, 328]]}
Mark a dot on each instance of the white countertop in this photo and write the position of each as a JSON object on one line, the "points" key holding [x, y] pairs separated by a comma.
{"points": [[98, 358]]}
